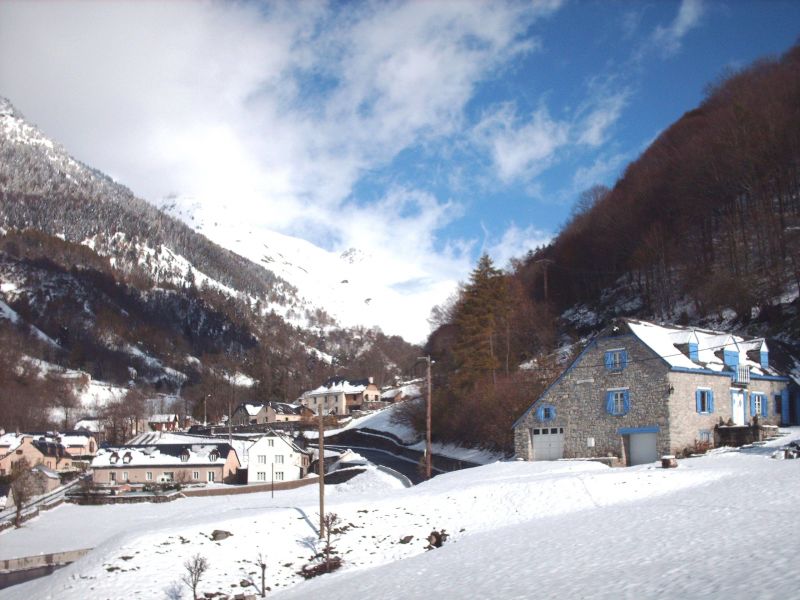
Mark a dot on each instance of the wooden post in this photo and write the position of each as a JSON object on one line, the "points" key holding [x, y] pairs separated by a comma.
{"points": [[428, 425], [321, 446]]}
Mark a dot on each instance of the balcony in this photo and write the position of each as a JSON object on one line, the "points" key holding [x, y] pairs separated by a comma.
{"points": [[741, 375]]}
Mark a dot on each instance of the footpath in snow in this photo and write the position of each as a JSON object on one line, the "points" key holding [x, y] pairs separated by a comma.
{"points": [[723, 525]]}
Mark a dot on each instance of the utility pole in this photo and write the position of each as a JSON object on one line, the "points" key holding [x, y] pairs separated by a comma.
{"points": [[546, 262], [428, 457], [321, 473]]}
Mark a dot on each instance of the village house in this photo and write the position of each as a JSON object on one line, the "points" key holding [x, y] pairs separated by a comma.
{"points": [[276, 457], [271, 412], [164, 422], [37, 449], [338, 396], [165, 463], [641, 390]]}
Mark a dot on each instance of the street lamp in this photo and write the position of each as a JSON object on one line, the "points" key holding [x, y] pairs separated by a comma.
{"points": [[427, 359]]}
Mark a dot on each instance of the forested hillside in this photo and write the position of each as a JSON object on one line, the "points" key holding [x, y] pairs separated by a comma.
{"points": [[703, 228]]}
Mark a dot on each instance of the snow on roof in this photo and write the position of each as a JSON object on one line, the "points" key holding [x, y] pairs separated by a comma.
{"points": [[666, 341], [167, 418], [162, 455], [11, 441], [253, 409], [90, 424], [339, 387]]}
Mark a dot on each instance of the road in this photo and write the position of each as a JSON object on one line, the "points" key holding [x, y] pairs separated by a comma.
{"points": [[379, 457]]}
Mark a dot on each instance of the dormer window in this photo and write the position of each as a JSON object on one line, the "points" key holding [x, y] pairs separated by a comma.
{"points": [[213, 456], [127, 458], [114, 458], [185, 456]]}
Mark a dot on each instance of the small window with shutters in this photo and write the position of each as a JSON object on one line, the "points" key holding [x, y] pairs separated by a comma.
{"points": [[618, 402], [704, 401], [616, 360]]}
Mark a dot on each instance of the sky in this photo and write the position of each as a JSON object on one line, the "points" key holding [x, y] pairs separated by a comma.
{"points": [[422, 134]]}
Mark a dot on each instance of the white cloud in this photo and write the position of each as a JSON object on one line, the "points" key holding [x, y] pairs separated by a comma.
{"points": [[267, 115], [521, 151], [515, 243], [669, 39], [594, 125]]}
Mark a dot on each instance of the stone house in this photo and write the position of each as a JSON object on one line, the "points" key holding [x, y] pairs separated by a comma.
{"points": [[249, 414], [339, 396], [271, 412], [641, 390], [276, 457], [164, 463]]}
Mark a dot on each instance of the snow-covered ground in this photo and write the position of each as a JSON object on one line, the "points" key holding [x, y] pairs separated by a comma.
{"points": [[723, 525]]}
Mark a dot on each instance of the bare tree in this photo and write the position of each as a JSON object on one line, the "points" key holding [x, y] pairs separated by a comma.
{"points": [[261, 562], [24, 486], [195, 568], [331, 522]]}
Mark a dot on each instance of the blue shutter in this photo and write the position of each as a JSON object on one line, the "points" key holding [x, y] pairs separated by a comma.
{"points": [[609, 360], [610, 403], [623, 358], [697, 401], [693, 354], [626, 399], [752, 405], [785, 405], [764, 408], [764, 359], [540, 413], [710, 401]]}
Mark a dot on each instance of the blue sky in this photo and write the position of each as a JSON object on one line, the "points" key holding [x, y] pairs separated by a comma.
{"points": [[421, 133]]}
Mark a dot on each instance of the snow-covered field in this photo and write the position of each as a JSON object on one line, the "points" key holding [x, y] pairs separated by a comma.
{"points": [[723, 525]]}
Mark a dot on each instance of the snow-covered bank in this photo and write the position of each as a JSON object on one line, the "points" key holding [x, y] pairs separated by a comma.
{"points": [[719, 525]]}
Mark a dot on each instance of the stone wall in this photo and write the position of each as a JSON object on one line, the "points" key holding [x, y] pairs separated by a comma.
{"points": [[579, 398], [687, 424]]}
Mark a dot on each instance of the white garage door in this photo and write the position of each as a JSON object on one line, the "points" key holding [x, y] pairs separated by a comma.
{"points": [[644, 448], [548, 443]]}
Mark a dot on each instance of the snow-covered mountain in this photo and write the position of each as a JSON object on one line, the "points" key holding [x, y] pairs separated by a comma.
{"points": [[130, 294]]}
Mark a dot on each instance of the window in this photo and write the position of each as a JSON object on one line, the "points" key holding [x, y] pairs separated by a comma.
{"points": [[195, 475], [278, 475], [758, 404], [168, 476], [112, 477], [149, 476], [210, 476], [778, 404], [546, 412], [262, 459], [704, 401], [127, 458], [271, 443], [705, 436], [124, 476], [618, 402], [185, 456], [279, 459], [616, 360], [261, 476]]}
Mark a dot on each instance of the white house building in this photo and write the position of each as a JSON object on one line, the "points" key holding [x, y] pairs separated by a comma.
{"points": [[275, 457]]}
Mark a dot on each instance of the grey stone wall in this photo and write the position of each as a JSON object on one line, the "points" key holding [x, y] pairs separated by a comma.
{"points": [[580, 401], [687, 423]]}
